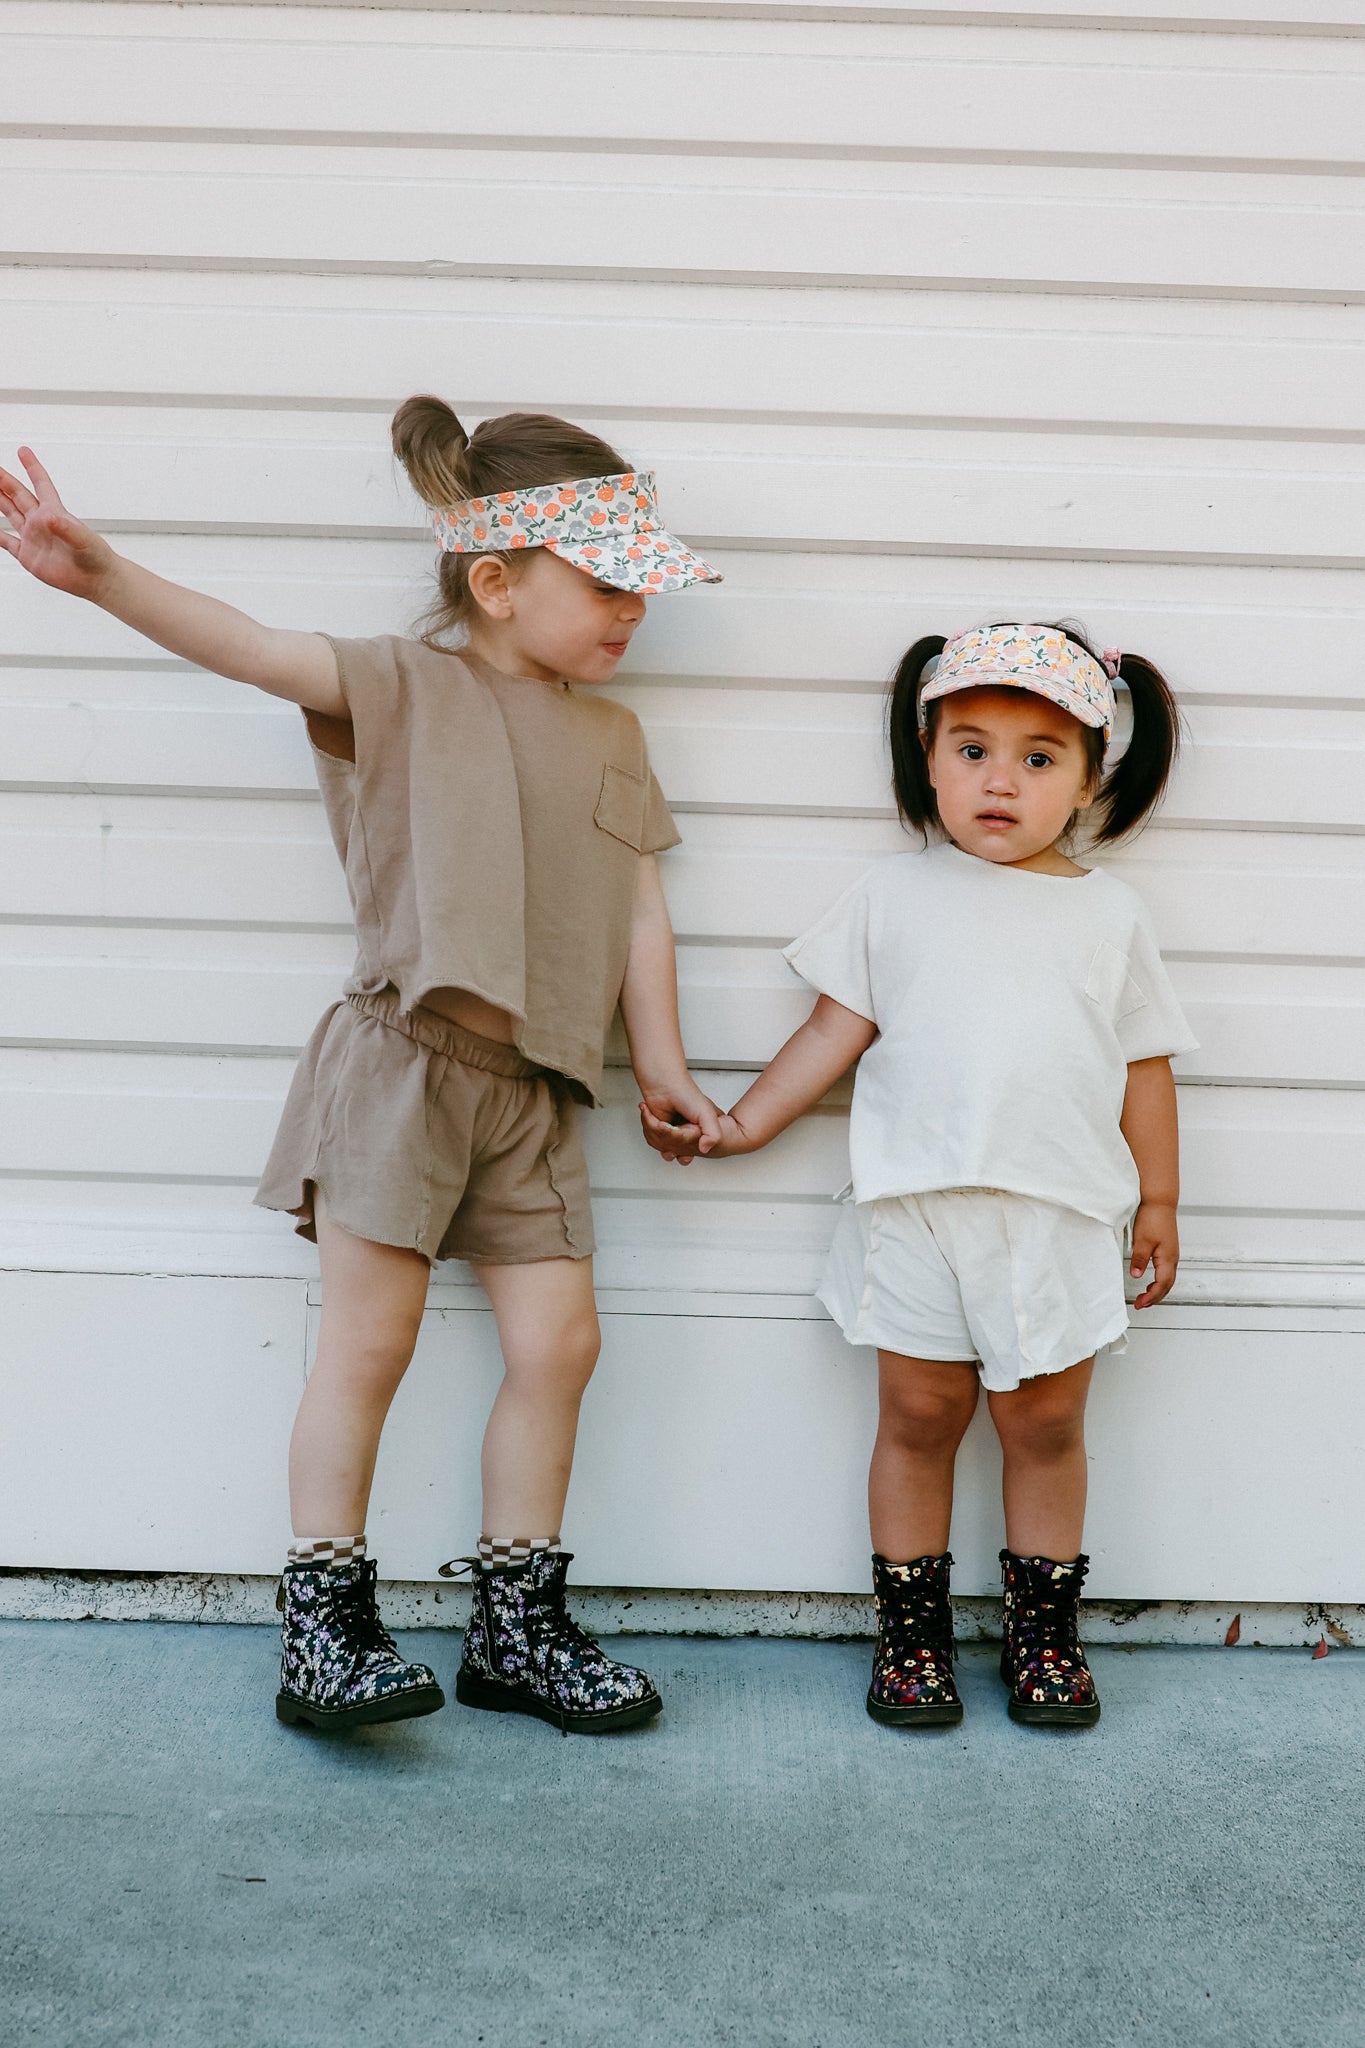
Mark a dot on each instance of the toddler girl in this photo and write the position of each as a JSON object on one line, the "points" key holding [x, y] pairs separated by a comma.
{"points": [[497, 825], [1013, 1107]]}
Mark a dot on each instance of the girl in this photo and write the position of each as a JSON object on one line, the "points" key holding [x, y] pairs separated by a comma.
{"points": [[1013, 1107], [498, 829]]}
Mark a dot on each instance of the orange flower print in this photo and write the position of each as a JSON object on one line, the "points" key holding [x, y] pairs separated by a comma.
{"points": [[506, 519], [654, 577], [634, 554], [598, 518], [592, 553], [606, 494], [518, 540], [480, 533], [507, 497], [568, 496]]}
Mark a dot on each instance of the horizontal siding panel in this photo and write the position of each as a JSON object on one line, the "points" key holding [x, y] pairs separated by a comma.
{"points": [[100, 1114], [1015, 26], [785, 618], [610, 348], [259, 864], [840, 224], [747, 751], [244, 991], [941, 489], [863, 86]]}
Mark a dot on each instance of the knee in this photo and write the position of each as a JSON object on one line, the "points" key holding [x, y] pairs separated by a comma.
{"points": [[369, 1354], [1041, 1430], [561, 1366], [928, 1418]]}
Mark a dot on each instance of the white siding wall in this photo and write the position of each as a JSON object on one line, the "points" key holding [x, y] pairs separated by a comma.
{"points": [[922, 313]]}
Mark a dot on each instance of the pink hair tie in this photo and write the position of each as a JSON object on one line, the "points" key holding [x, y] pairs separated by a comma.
{"points": [[1111, 657]]}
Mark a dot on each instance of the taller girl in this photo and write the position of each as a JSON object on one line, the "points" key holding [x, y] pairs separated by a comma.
{"points": [[497, 828]]}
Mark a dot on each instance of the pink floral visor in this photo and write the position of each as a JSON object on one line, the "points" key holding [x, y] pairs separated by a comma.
{"points": [[607, 526], [1035, 658]]}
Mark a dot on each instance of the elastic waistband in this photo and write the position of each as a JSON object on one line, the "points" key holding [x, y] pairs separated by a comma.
{"points": [[440, 1035]]}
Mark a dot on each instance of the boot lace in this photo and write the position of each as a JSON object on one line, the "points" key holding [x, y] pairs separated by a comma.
{"points": [[1043, 1623], [358, 1617], [910, 1630]]}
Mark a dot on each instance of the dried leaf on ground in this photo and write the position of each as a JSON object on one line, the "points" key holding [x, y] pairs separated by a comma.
{"points": [[1234, 1634]]}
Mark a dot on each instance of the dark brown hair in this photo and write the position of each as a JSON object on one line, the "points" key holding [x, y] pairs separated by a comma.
{"points": [[1125, 795], [445, 465]]}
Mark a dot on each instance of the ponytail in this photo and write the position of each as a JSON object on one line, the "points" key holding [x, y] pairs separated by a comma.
{"points": [[430, 443], [1133, 787], [909, 761]]}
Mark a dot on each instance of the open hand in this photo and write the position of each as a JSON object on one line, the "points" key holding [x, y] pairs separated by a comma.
{"points": [[45, 539], [1155, 1244]]}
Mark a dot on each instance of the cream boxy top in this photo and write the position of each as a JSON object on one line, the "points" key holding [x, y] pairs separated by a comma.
{"points": [[1008, 1006]]}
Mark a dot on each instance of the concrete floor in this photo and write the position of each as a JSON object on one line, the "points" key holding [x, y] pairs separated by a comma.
{"points": [[764, 1866]]}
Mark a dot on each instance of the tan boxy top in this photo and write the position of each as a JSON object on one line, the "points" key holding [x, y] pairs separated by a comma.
{"points": [[490, 827]]}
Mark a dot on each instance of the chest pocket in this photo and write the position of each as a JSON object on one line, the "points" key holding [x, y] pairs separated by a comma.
{"points": [[1111, 985], [621, 806]]}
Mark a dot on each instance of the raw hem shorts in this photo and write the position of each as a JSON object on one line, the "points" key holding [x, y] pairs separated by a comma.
{"points": [[1023, 1287], [425, 1135]]}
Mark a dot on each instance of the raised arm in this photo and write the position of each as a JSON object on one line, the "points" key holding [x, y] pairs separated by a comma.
{"points": [[808, 1065], [1150, 1125], [60, 551]]}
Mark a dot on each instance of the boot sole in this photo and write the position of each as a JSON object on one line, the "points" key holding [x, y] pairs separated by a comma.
{"points": [[397, 1706], [1053, 1717], [473, 1691], [946, 1716]]}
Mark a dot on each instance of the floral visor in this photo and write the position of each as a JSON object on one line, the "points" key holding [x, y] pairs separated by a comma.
{"points": [[1036, 658], [607, 526]]}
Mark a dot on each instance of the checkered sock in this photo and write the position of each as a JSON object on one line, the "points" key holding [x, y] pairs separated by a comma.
{"points": [[497, 1551], [317, 1550]]}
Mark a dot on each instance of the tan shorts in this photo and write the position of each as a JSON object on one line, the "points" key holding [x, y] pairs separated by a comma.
{"points": [[425, 1135]]}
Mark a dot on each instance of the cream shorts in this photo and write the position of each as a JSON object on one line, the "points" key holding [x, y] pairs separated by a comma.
{"points": [[1022, 1287], [420, 1133]]}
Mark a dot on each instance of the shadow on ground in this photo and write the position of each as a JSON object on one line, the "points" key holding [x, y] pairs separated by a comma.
{"points": [[763, 1866]]}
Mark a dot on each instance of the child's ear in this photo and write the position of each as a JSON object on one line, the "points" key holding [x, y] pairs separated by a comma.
{"points": [[490, 586], [928, 747]]}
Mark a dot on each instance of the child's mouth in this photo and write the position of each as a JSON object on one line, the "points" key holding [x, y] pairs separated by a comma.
{"points": [[996, 820]]}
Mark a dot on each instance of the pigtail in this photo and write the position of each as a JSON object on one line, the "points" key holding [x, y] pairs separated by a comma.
{"points": [[430, 443], [1135, 785], [909, 762]]}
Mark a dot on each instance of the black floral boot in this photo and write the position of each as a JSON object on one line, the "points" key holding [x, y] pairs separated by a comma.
{"points": [[1042, 1661], [341, 1667], [912, 1665], [523, 1655]]}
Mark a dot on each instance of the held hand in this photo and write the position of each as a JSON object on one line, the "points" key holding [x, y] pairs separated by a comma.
{"points": [[681, 1143], [1155, 1244], [680, 1122], [45, 539]]}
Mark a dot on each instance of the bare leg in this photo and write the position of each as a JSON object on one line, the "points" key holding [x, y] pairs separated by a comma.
{"points": [[372, 1301], [925, 1407], [548, 1329], [1041, 1426]]}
